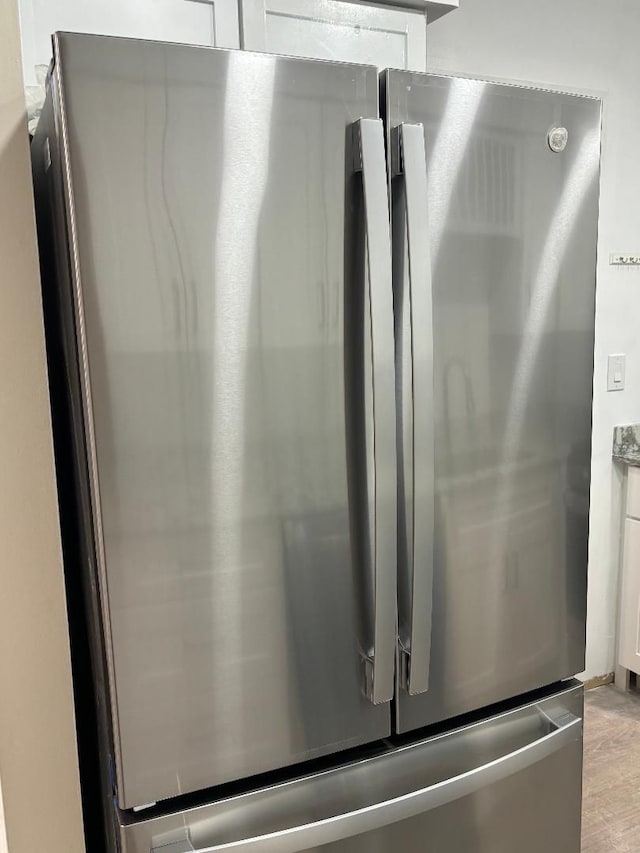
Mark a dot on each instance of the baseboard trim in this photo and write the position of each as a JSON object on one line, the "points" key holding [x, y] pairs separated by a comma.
{"points": [[599, 681]]}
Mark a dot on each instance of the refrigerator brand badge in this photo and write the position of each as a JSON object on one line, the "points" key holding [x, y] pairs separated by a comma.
{"points": [[557, 139]]}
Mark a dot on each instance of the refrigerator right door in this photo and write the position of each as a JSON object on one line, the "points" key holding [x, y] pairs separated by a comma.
{"points": [[494, 215]]}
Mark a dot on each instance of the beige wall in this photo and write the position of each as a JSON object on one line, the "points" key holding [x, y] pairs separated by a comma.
{"points": [[38, 761]]}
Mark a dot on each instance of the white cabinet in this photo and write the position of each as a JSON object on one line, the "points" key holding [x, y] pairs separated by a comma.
{"points": [[629, 627], [389, 34], [338, 30], [209, 22], [633, 493], [629, 638]]}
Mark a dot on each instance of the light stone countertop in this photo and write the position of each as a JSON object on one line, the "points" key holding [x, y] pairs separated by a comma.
{"points": [[626, 444]]}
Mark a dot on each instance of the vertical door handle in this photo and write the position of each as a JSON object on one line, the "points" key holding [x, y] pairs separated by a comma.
{"points": [[379, 657], [415, 367]]}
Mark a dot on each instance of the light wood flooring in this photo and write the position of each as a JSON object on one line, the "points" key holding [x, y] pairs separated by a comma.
{"points": [[611, 780]]}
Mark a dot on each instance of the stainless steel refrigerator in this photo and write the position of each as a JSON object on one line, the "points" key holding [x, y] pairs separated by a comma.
{"points": [[321, 352]]}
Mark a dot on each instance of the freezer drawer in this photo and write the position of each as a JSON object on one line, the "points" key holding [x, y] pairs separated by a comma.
{"points": [[510, 782]]}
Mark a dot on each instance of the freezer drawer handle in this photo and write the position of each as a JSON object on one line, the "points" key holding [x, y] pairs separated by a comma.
{"points": [[379, 654], [415, 379], [339, 827]]}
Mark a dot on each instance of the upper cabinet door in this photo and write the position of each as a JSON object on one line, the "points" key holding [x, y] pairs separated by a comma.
{"points": [[207, 22], [337, 30]]}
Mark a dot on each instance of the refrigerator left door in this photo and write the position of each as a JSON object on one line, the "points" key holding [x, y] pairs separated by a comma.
{"points": [[215, 201]]}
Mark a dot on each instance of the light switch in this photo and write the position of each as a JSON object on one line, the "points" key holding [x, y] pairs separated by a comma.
{"points": [[615, 372]]}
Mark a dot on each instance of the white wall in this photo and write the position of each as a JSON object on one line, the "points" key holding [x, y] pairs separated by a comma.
{"points": [[40, 785], [591, 46]]}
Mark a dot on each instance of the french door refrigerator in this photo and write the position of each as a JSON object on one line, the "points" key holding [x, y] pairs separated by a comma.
{"points": [[321, 350]]}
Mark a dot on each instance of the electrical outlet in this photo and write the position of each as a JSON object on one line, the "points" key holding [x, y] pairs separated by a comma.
{"points": [[624, 260], [615, 372]]}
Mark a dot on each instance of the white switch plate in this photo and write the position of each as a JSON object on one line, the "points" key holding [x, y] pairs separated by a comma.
{"points": [[615, 372]]}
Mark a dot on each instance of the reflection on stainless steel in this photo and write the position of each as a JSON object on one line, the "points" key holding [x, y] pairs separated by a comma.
{"points": [[244, 160], [453, 366], [512, 234], [444, 789], [578, 186], [455, 126], [210, 202]]}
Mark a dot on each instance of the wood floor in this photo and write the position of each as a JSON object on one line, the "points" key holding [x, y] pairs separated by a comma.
{"points": [[611, 781]]}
